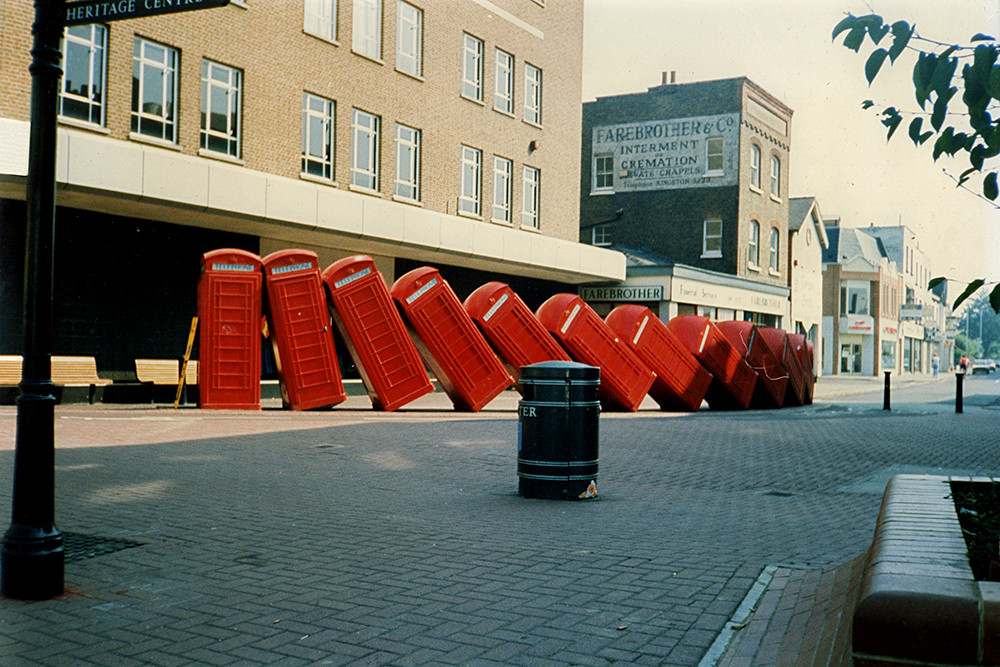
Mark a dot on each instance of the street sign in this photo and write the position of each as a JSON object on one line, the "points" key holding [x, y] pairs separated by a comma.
{"points": [[94, 11]]}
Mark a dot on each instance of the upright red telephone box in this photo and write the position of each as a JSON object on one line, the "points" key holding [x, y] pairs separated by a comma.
{"points": [[733, 380], [803, 352], [300, 331], [509, 325], [681, 382], [374, 333], [624, 378], [229, 330], [777, 341], [772, 378], [448, 340]]}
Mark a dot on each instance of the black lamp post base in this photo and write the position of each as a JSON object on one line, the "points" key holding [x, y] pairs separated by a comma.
{"points": [[31, 563]]}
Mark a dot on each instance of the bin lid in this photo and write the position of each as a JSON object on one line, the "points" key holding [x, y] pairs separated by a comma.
{"points": [[560, 370]]}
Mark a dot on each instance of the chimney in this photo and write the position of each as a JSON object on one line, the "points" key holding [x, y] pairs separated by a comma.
{"points": [[669, 77]]}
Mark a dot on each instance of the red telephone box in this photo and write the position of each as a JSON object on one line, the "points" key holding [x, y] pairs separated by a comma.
{"points": [[229, 330], [772, 378], [300, 331], [448, 340], [624, 378], [509, 325], [733, 380], [803, 352], [681, 382], [777, 341], [373, 331]]}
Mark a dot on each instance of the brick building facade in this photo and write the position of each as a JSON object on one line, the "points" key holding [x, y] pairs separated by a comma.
{"points": [[693, 175], [417, 133]]}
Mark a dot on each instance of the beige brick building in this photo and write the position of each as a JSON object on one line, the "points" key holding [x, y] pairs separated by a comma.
{"points": [[442, 132]]}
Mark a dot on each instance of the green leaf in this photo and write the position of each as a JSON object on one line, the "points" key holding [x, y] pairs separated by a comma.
{"points": [[855, 38], [995, 299], [970, 289], [923, 74], [945, 143], [847, 23], [980, 37], [901, 34], [874, 64], [990, 189], [935, 282], [915, 126], [867, 104]]}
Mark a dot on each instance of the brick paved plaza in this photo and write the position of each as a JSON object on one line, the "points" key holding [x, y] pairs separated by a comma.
{"points": [[354, 537]]}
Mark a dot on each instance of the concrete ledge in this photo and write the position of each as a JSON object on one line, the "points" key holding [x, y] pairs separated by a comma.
{"points": [[919, 602]]}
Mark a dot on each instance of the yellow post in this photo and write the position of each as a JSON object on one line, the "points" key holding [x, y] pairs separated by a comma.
{"points": [[184, 364]]}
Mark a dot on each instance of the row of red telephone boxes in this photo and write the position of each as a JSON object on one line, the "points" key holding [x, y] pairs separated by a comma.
{"points": [[475, 349]]}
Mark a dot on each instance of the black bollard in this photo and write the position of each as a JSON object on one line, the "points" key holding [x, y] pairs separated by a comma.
{"points": [[886, 401], [958, 392]]}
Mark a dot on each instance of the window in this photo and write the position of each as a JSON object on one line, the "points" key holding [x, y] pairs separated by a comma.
{"points": [[317, 136], [775, 177], [755, 166], [501, 189], [364, 149], [367, 39], [407, 162], [220, 108], [712, 238], [85, 67], [604, 176], [532, 94], [600, 235], [472, 68], [753, 246], [714, 156], [321, 19], [529, 197], [409, 39], [854, 297], [472, 162], [503, 96], [154, 90], [775, 239]]}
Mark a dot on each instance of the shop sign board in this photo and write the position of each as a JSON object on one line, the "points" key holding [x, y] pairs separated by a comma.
{"points": [[93, 11]]}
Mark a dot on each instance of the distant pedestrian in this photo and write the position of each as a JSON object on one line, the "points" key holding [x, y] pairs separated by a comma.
{"points": [[963, 363], [935, 363]]}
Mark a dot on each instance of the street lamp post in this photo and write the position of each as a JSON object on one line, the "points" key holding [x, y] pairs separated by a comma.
{"points": [[31, 558]]}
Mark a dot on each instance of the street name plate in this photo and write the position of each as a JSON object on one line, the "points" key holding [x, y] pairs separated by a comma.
{"points": [[93, 11]]}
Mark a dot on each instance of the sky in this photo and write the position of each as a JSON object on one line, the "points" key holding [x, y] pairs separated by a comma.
{"points": [[839, 152]]}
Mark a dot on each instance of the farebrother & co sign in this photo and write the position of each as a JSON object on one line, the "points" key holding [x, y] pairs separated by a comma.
{"points": [[636, 293], [90, 11], [668, 154]]}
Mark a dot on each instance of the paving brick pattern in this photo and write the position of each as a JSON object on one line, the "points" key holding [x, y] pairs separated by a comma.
{"points": [[350, 537]]}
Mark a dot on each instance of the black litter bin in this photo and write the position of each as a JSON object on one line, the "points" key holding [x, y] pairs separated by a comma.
{"points": [[557, 444]]}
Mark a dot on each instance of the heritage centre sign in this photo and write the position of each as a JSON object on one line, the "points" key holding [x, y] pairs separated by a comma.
{"points": [[700, 151], [92, 11]]}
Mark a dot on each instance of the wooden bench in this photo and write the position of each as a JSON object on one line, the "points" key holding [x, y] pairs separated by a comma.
{"points": [[165, 371], [67, 371]]}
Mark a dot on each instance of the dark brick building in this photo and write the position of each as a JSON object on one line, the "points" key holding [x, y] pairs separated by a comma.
{"points": [[693, 175]]}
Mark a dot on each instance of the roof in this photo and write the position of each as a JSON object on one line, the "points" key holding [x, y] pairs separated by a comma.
{"points": [[799, 210], [848, 243]]}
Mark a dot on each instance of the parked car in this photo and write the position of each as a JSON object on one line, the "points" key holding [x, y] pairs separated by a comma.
{"points": [[980, 366]]}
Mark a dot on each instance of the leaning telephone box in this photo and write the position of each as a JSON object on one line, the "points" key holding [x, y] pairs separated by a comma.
{"points": [[512, 329], [772, 378], [624, 378], [448, 340], [300, 331], [803, 352], [229, 330], [681, 382], [733, 380], [373, 331], [777, 341]]}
